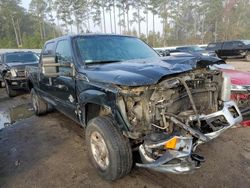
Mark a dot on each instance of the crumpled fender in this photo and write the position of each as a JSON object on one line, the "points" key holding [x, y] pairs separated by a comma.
{"points": [[93, 96], [103, 99]]}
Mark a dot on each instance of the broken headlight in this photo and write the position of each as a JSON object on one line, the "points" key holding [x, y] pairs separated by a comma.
{"points": [[13, 72]]}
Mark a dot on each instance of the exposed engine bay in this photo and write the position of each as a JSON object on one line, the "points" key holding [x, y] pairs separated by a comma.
{"points": [[174, 116], [191, 94]]}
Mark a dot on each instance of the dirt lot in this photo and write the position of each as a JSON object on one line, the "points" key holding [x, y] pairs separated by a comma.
{"points": [[240, 65], [49, 151]]}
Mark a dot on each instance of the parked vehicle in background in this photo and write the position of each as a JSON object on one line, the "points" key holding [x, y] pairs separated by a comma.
{"points": [[203, 46], [232, 49], [193, 50], [131, 99], [196, 50], [240, 81], [214, 46], [240, 87], [240, 91], [162, 51], [12, 70]]}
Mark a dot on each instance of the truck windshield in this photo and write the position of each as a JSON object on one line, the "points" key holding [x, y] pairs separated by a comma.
{"points": [[20, 57], [105, 49]]}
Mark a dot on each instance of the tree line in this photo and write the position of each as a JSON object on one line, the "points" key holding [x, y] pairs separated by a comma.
{"points": [[182, 21]]}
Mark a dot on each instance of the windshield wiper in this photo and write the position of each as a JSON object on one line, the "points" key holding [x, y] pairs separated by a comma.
{"points": [[101, 62]]}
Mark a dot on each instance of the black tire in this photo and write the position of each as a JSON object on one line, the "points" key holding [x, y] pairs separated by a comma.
{"points": [[118, 147], [248, 56], [2, 84], [10, 92], [39, 105]]}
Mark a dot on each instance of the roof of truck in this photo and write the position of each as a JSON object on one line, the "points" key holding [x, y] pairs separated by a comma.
{"points": [[88, 34]]}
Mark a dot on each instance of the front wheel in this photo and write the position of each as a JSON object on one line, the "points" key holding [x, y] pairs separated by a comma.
{"points": [[248, 56], [10, 92], [109, 151]]}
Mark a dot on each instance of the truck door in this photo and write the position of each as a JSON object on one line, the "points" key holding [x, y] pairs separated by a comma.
{"points": [[227, 49], [63, 87], [44, 82], [238, 49]]}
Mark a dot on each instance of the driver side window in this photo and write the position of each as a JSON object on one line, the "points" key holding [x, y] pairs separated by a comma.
{"points": [[63, 55]]}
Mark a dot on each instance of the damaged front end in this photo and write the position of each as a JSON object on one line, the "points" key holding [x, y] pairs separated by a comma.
{"points": [[167, 121]]}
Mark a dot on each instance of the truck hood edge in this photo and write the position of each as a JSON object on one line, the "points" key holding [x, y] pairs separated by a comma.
{"points": [[138, 72]]}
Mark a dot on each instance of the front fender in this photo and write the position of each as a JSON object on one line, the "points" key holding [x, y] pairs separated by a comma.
{"points": [[93, 96], [102, 98]]}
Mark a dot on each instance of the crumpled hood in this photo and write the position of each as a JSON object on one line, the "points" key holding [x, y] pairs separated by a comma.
{"points": [[21, 65], [138, 72], [238, 77]]}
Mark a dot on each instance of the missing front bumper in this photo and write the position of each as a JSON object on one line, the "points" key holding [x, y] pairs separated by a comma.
{"points": [[185, 162], [18, 83]]}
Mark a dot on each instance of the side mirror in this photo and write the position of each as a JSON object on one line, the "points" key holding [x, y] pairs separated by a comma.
{"points": [[50, 67]]}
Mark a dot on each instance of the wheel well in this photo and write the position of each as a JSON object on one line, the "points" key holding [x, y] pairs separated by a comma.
{"points": [[30, 85], [94, 110], [3, 73]]}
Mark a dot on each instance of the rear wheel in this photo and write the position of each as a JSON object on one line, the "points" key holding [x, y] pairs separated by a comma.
{"points": [[109, 151], [248, 56], [39, 105], [10, 92]]}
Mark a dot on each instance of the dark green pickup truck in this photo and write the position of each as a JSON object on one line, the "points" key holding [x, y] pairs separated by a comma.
{"points": [[131, 100]]}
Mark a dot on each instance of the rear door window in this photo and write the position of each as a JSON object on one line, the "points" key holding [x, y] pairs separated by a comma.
{"points": [[228, 45]]}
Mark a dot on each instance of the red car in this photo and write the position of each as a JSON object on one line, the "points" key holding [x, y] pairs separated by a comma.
{"points": [[240, 91]]}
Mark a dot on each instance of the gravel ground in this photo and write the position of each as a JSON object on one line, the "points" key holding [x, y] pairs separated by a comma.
{"points": [[241, 65], [49, 151]]}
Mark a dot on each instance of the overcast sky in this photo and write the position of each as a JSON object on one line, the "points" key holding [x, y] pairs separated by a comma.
{"points": [[158, 25], [25, 3]]}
